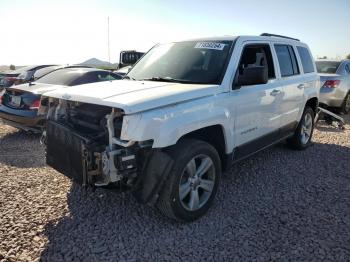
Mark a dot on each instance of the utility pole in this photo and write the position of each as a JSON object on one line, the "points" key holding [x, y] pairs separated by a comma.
{"points": [[109, 53]]}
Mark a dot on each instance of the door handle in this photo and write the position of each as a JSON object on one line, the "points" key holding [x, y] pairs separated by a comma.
{"points": [[301, 86], [275, 92]]}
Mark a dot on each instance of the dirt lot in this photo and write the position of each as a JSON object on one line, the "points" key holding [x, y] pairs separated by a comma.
{"points": [[277, 205]]}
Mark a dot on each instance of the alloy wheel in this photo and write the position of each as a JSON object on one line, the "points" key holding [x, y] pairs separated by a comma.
{"points": [[306, 128], [197, 182]]}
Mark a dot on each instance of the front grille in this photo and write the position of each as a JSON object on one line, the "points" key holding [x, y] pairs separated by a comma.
{"points": [[64, 151]]}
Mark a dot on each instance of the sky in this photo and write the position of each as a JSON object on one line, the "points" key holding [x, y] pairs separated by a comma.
{"points": [[68, 31]]}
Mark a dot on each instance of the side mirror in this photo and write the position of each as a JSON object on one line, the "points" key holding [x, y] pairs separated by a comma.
{"points": [[254, 75]]}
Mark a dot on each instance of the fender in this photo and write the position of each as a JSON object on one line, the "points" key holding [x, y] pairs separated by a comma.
{"points": [[167, 125], [311, 90]]}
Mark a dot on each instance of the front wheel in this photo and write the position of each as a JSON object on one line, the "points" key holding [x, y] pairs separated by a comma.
{"points": [[303, 134], [193, 181]]}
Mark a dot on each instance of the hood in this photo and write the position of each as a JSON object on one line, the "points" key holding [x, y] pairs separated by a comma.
{"points": [[134, 96], [37, 88]]}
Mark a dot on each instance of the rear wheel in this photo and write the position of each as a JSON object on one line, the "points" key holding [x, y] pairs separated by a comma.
{"points": [[345, 108], [193, 181], [303, 134]]}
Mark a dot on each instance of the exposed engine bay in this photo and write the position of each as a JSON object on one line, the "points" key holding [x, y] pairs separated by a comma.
{"points": [[83, 142]]}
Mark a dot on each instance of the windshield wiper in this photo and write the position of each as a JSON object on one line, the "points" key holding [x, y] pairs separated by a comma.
{"points": [[170, 79]]}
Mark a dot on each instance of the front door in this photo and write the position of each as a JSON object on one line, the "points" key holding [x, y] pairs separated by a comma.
{"points": [[257, 107]]}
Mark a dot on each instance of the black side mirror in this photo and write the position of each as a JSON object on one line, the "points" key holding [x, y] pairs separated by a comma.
{"points": [[253, 75]]}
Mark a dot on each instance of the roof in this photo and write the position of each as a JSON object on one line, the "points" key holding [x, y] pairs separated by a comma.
{"points": [[82, 69], [245, 37]]}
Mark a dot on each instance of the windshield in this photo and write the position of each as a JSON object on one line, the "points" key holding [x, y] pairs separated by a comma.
{"points": [[61, 77], [328, 67], [190, 62]]}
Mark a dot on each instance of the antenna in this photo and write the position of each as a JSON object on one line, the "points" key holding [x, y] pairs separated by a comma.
{"points": [[109, 53]]}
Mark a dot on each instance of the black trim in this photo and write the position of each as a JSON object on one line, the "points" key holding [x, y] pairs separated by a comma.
{"points": [[292, 57], [252, 147], [282, 36]]}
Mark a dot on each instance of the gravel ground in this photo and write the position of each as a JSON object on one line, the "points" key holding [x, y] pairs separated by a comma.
{"points": [[277, 205]]}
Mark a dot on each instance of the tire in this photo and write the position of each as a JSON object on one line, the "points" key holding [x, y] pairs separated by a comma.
{"points": [[188, 156], [303, 133], [345, 108]]}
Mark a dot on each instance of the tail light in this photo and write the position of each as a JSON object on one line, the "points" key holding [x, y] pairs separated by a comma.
{"points": [[35, 104], [331, 83], [10, 78]]}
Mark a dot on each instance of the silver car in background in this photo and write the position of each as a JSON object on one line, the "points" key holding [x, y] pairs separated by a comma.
{"points": [[335, 84]]}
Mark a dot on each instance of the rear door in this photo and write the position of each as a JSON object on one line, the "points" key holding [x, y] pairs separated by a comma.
{"points": [[292, 83]]}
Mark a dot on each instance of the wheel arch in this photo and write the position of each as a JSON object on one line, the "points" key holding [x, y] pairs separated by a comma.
{"points": [[213, 135], [313, 103]]}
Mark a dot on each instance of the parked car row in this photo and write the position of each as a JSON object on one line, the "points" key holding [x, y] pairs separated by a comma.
{"points": [[20, 90], [22, 75], [19, 104]]}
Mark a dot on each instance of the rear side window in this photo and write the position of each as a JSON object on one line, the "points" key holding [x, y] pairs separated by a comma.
{"points": [[287, 60], [106, 76], [98, 76], [328, 67], [306, 59]]}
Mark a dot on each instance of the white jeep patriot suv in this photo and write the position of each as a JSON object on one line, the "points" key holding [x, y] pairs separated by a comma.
{"points": [[183, 114]]}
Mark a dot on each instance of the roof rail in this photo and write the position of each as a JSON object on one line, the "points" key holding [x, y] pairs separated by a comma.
{"points": [[267, 34]]}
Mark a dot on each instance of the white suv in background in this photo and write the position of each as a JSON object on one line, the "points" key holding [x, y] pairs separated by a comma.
{"points": [[184, 113]]}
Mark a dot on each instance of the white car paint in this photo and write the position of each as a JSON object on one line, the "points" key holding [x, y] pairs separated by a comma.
{"points": [[164, 112], [135, 96]]}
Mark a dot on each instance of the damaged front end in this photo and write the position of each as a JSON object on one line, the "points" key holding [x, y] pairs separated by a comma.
{"points": [[83, 142]]}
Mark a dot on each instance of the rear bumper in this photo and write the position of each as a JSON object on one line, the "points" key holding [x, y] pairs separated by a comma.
{"points": [[25, 120], [332, 97]]}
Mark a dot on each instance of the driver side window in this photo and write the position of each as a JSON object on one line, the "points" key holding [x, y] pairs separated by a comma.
{"points": [[257, 55]]}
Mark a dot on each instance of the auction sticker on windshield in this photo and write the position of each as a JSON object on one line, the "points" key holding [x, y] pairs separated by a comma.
{"points": [[210, 45]]}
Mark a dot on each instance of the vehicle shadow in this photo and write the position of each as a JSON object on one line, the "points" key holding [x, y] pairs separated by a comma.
{"points": [[329, 128], [264, 202], [323, 126], [21, 149]]}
